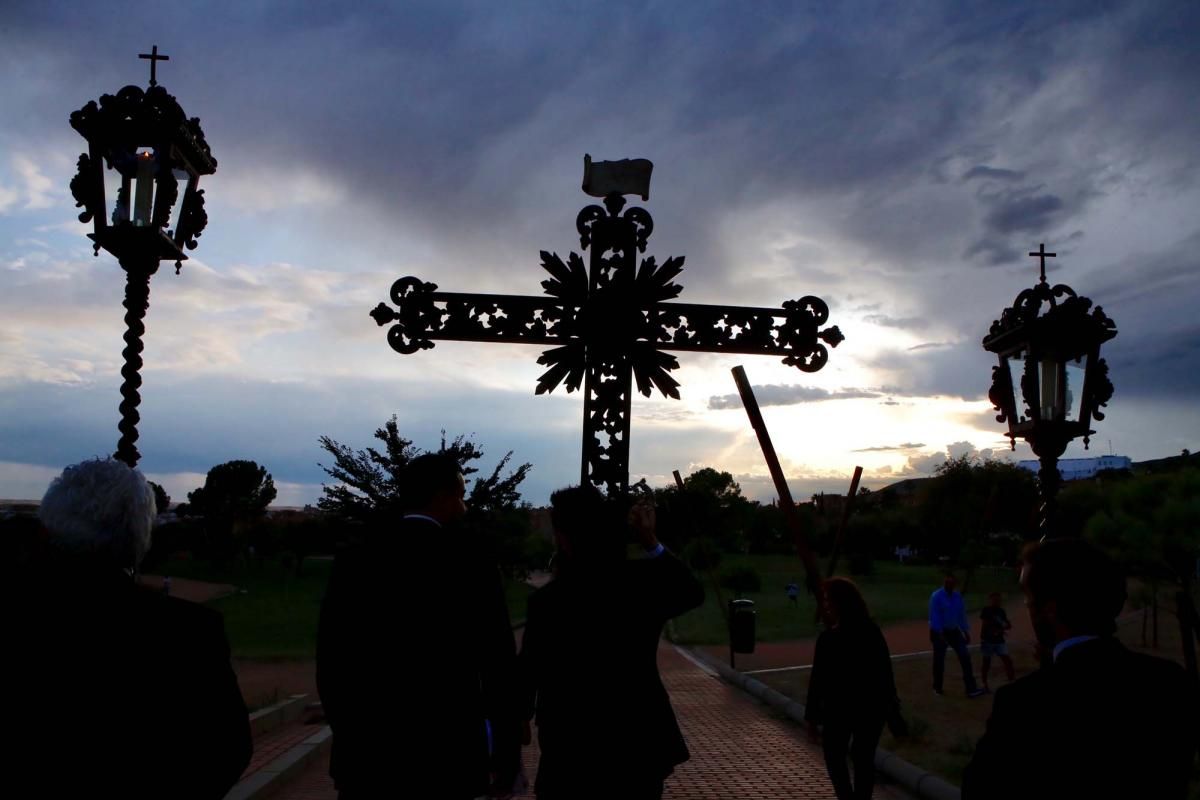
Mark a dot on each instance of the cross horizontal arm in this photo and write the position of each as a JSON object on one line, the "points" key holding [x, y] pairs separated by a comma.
{"points": [[424, 315], [792, 331]]}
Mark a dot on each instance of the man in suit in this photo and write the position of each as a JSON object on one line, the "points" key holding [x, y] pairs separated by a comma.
{"points": [[114, 689], [415, 654], [1101, 721], [604, 720]]}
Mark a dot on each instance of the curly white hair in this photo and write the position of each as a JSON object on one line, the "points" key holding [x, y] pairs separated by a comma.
{"points": [[101, 508]]}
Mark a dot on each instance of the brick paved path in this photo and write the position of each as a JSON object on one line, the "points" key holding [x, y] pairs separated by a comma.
{"points": [[740, 750]]}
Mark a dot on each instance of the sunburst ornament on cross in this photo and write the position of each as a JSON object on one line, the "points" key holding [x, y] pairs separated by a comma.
{"points": [[609, 325]]}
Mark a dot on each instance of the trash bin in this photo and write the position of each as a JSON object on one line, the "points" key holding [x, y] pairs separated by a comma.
{"points": [[741, 625]]}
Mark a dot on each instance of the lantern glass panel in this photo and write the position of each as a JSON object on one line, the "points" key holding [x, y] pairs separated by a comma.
{"points": [[118, 202], [1074, 373], [1016, 369], [1049, 390], [182, 176]]}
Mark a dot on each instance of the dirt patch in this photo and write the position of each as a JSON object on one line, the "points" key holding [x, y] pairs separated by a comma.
{"points": [[264, 683], [188, 589]]}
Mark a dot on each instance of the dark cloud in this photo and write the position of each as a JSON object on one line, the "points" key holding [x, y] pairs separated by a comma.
{"points": [[883, 448], [993, 252], [1024, 213], [786, 395], [992, 173], [904, 323]]}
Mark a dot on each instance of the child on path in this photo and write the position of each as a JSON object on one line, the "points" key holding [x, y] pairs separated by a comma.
{"points": [[991, 638]]}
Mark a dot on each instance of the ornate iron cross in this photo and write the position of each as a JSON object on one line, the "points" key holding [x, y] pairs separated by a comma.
{"points": [[608, 325]]}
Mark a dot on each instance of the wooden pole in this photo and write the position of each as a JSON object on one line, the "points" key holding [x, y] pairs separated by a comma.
{"points": [[846, 511], [811, 570], [847, 508]]}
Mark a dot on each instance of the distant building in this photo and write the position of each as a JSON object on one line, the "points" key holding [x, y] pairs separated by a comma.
{"points": [[1075, 469]]}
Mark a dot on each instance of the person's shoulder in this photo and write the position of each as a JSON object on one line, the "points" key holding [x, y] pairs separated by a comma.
{"points": [[1161, 673], [1024, 691], [176, 615]]}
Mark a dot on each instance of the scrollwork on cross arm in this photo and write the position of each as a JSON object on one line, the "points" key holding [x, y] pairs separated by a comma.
{"points": [[587, 218], [643, 226], [423, 314], [414, 317], [792, 331]]}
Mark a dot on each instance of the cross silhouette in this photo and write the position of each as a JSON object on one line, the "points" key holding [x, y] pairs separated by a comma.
{"points": [[608, 327], [154, 59], [1043, 255]]}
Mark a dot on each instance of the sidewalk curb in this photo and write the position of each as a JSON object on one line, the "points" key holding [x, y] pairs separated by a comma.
{"points": [[276, 774], [915, 779], [268, 719]]}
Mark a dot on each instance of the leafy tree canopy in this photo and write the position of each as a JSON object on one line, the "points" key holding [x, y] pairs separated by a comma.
{"points": [[369, 480], [235, 490], [162, 500]]}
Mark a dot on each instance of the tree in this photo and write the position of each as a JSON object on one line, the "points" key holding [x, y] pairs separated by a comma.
{"points": [[369, 488], [233, 493], [162, 500], [971, 507], [1151, 524], [234, 490]]}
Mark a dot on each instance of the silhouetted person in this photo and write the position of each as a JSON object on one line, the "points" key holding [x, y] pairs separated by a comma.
{"points": [[589, 655], [993, 623], [948, 628], [415, 653], [852, 692], [114, 690], [1101, 721]]}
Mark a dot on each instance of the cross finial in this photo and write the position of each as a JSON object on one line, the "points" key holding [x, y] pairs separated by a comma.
{"points": [[154, 59], [1043, 255]]}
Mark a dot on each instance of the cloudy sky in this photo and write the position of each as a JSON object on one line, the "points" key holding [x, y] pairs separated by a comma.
{"points": [[896, 159]]}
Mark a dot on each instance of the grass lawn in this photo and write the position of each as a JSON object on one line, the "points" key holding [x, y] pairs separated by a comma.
{"points": [[274, 614], [894, 593]]}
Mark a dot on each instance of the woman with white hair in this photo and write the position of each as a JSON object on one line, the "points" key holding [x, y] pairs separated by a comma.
{"points": [[118, 690]]}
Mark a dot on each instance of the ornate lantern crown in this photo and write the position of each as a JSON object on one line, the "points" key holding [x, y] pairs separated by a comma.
{"points": [[151, 145], [1055, 360]]}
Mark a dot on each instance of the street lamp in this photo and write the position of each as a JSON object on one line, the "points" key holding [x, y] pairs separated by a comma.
{"points": [[142, 147], [1054, 359]]}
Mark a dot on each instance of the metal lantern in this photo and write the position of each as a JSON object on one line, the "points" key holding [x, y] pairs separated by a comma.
{"points": [[1050, 382], [147, 152], [153, 151]]}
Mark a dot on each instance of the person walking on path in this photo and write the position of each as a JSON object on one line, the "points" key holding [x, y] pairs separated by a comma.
{"points": [[114, 689], [793, 593], [852, 691], [1100, 721], [948, 628], [604, 720], [994, 623], [379, 633]]}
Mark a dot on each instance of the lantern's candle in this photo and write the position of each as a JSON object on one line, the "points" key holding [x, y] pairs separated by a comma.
{"points": [[145, 188]]}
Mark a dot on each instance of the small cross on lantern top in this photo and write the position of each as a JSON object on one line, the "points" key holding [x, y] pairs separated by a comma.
{"points": [[154, 58], [1041, 253]]}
